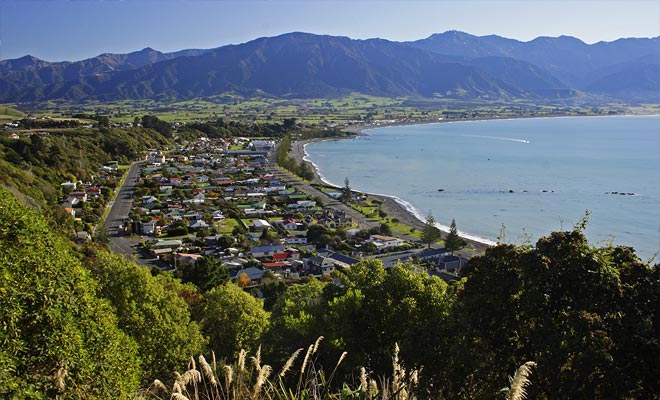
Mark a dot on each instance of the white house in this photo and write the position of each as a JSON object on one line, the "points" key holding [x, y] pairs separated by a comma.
{"points": [[260, 225], [384, 242]]}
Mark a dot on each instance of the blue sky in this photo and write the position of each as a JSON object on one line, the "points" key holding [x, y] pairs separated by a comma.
{"points": [[58, 30]]}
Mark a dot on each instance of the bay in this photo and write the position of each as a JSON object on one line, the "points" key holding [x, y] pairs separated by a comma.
{"points": [[523, 178]]}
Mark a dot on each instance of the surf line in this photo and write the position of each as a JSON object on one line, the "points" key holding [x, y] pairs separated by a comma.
{"points": [[499, 138]]}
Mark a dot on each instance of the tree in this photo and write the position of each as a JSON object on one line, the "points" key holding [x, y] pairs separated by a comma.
{"points": [[232, 320], [152, 311], [243, 280], [430, 233], [206, 273], [454, 242], [346, 192], [296, 319]]}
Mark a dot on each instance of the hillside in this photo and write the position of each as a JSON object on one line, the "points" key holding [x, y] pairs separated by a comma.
{"points": [[452, 65], [568, 59]]}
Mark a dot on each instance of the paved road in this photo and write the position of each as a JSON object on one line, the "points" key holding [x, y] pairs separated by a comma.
{"points": [[120, 208]]}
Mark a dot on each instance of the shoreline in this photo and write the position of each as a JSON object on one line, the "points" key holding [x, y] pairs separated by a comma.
{"points": [[392, 205], [399, 208]]}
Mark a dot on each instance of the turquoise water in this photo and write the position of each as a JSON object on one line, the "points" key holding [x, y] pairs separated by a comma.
{"points": [[557, 169]]}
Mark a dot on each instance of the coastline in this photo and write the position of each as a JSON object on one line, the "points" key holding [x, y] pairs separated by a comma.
{"points": [[398, 208], [392, 205]]}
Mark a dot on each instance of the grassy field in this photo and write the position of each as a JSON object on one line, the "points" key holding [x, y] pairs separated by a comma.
{"points": [[355, 108], [8, 114]]}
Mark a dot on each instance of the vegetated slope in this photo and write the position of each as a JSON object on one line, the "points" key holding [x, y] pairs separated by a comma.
{"points": [[291, 65], [31, 72], [58, 339], [526, 77], [567, 58], [33, 167]]}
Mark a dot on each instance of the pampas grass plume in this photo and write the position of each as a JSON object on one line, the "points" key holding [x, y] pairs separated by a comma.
{"points": [[519, 382], [289, 362]]}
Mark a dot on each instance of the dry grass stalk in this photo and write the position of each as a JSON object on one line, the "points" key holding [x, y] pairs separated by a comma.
{"points": [[316, 344], [241, 360], [289, 362], [179, 396], [363, 380], [519, 382], [304, 364], [256, 360], [207, 370], [264, 373], [229, 375], [159, 385]]}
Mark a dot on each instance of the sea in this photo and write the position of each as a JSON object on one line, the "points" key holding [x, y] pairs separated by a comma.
{"points": [[513, 180]]}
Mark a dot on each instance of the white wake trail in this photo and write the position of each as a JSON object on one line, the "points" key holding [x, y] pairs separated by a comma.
{"points": [[499, 138]]}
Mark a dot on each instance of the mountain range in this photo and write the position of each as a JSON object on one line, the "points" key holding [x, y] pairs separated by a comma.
{"points": [[301, 65]]}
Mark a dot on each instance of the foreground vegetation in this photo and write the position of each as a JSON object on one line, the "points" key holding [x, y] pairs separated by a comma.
{"points": [[83, 323]]}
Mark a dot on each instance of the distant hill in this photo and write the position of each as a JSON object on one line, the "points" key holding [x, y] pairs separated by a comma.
{"points": [[568, 59], [300, 65]]}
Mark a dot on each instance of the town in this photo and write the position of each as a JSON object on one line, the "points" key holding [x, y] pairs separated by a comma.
{"points": [[226, 200]]}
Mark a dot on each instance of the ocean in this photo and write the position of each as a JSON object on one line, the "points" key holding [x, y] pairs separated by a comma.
{"points": [[514, 180]]}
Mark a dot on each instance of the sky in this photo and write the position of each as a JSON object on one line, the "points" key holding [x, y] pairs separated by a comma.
{"points": [[58, 30]]}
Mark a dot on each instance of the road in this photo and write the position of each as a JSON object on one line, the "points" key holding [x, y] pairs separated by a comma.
{"points": [[118, 215]]}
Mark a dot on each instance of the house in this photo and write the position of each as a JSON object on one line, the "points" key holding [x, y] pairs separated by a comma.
{"points": [[384, 242], [217, 215], [266, 251], [70, 211], [290, 224], [432, 255], [82, 196], [262, 145], [69, 185], [94, 192], [295, 240], [452, 264], [198, 224], [186, 258], [260, 225], [255, 275], [319, 265], [342, 260], [148, 199], [169, 244], [149, 228]]}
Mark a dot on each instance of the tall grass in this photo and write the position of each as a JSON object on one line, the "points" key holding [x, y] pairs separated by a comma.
{"points": [[240, 380], [255, 381]]}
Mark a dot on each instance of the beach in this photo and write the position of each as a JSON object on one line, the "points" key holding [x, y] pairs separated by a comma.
{"points": [[389, 204]]}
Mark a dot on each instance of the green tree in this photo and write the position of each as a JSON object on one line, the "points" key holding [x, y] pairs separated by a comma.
{"points": [[59, 340], [430, 233], [453, 241], [206, 273], [152, 310], [232, 320], [346, 192], [581, 313], [377, 309], [296, 319]]}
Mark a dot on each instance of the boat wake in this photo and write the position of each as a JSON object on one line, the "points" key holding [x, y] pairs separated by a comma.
{"points": [[499, 138]]}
